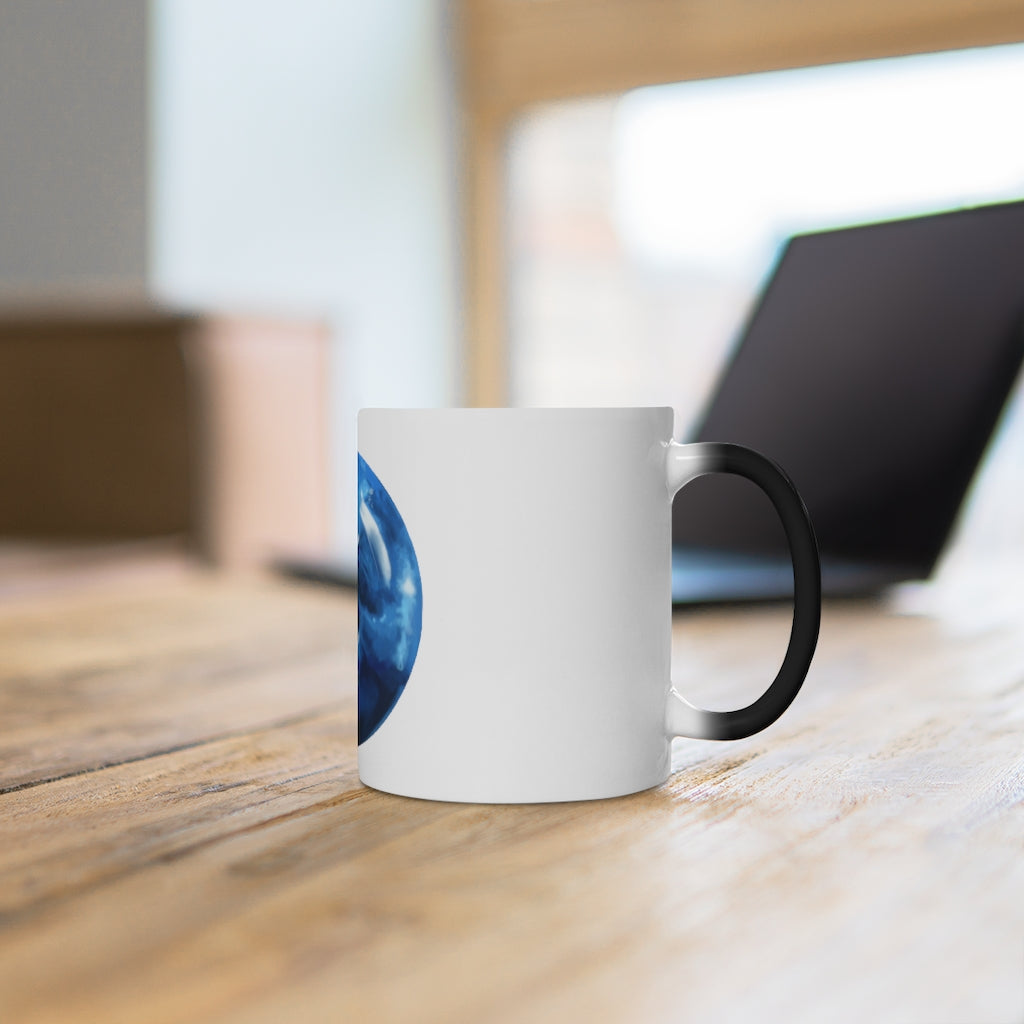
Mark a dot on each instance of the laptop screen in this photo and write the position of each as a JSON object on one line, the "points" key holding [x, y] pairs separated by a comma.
{"points": [[873, 370]]}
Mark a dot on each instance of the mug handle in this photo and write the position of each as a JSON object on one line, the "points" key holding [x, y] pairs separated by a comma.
{"points": [[686, 462]]}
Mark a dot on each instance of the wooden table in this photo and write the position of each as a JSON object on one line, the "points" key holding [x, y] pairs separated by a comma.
{"points": [[185, 838]]}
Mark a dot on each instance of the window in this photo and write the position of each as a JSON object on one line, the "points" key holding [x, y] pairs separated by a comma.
{"points": [[641, 226]]}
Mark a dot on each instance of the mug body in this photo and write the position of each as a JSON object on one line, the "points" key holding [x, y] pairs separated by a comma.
{"points": [[514, 602]]}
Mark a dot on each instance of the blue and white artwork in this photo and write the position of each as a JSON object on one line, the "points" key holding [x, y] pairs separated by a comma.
{"points": [[390, 603]]}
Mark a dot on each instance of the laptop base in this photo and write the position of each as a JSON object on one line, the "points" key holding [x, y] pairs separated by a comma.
{"points": [[701, 576]]}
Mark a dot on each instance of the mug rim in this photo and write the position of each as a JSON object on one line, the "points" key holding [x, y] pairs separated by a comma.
{"points": [[516, 410]]}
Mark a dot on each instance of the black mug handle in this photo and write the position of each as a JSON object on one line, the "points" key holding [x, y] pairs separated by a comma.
{"points": [[686, 462]]}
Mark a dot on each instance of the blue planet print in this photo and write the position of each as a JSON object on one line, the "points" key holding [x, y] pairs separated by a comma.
{"points": [[390, 603]]}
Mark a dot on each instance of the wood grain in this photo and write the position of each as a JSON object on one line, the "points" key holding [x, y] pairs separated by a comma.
{"points": [[861, 860], [183, 664]]}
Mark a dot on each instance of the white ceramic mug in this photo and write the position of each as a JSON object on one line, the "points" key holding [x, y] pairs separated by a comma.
{"points": [[514, 601]]}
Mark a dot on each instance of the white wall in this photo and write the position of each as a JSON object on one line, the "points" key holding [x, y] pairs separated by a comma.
{"points": [[302, 161], [72, 150]]}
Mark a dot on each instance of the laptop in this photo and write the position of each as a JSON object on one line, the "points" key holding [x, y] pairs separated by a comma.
{"points": [[873, 369]]}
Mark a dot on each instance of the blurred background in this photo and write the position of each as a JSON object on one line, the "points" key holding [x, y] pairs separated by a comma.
{"points": [[226, 226]]}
